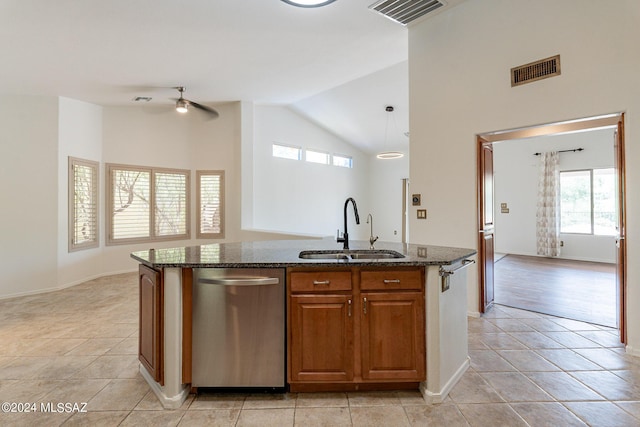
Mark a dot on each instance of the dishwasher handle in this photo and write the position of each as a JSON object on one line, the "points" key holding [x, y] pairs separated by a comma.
{"points": [[241, 281]]}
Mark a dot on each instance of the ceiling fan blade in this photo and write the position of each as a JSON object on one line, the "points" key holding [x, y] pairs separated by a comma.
{"points": [[213, 113]]}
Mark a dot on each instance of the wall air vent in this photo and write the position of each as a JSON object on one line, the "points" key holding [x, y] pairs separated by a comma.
{"points": [[534, 71], [405, 11]]}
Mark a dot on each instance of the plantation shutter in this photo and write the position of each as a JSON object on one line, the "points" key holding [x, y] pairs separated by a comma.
{"points": [[210, 216], [130, 194], [83, 207], [171, 204]]}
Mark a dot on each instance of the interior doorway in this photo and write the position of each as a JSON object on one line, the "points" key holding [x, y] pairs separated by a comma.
{"points": [[487, 202]]}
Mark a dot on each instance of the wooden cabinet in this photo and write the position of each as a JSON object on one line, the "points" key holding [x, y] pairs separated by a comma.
{"points": [[151, 334], [355, 325], [392, 336], [321, 338]]}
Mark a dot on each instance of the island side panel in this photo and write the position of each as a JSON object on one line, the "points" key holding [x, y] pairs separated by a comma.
{"points": [[173, 393], [446, 334]]}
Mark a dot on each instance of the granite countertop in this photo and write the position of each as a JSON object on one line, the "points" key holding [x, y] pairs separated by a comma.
{"points": [[284, 253]]}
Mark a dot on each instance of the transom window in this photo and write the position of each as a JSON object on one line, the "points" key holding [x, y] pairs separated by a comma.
{"points": [[287, 152], [314, 156], [342, 161]]}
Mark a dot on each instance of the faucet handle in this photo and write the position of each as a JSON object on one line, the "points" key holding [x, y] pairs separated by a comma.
{"points": [[338, 238]]}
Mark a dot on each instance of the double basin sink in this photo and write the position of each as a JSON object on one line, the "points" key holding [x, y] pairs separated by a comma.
{"points": [[355, 254]]}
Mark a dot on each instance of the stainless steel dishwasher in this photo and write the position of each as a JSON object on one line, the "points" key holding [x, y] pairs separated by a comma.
{"points": [[238, 328]]}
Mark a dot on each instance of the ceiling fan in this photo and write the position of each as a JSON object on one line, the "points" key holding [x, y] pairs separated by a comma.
{"points": [[183, 104]]}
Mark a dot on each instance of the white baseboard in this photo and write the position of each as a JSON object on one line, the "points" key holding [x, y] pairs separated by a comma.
{"points": [[439, 397], [64, 286], [473, 313], [168, 402], [632, 351]]}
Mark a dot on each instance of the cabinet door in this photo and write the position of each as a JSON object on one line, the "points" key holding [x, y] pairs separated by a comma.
{"points": [[321, 338], [393, 336], [150, 341]]}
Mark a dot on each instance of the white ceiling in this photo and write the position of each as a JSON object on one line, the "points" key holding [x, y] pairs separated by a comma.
{"points": [[339, 65]]}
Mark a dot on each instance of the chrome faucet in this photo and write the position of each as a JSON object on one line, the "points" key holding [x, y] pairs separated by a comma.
{"points": [[372, 239], [345, 236]]}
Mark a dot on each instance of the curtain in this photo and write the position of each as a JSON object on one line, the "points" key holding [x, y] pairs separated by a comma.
{"points": [[548, 206]]}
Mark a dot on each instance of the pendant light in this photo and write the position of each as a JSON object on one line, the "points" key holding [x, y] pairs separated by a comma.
{"points": [[388, 155]]}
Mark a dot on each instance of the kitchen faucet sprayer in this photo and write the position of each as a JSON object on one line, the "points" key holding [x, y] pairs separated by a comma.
{"points": [[372, 239], [345, 236]]}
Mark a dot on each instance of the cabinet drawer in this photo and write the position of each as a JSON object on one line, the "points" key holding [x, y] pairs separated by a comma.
{"points": [[390, 279], [310, 281]]}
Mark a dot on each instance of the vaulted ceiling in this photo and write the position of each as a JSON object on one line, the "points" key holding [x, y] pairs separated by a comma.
{"points": [[338, 65]]}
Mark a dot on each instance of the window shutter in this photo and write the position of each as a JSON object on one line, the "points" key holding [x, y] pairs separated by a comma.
{"points": [[83, 207], [130, 203], [210, 204], [171, 204]]}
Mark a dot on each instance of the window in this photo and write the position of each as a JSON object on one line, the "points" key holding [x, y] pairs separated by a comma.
{"points": [[210, 213], [83, 204], [317, 157], [588, 202], [146, 204], [287, 152], [342, 161]]}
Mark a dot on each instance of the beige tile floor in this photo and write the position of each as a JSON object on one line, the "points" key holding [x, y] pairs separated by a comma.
{"points": [[79, 345]]}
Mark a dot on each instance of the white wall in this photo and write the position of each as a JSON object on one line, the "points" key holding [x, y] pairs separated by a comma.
{"points": [[516, 172], [298, 196], [79, 135], [385, 193], [37, 136], [157, 136], [459, 64], [29, 189]]}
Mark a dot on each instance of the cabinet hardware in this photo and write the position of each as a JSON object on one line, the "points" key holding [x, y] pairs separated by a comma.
{"points": [[387, 281], [364, 305], [321, 282], [349, 308]]}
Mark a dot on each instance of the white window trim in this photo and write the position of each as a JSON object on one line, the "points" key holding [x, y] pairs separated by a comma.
{"points": [[199, 233], [95, 166], [110, 241]]}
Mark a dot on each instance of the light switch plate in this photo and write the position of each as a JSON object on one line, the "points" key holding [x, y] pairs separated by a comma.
{"points": [[422, 214]]}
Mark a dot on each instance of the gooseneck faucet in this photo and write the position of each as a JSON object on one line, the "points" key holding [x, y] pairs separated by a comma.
{"points": [[372, 239], [345, 236]]}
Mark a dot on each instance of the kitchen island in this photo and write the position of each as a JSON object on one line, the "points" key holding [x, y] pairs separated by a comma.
{"points": [[440, 355]]}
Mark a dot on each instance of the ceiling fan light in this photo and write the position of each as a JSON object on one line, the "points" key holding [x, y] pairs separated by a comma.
{"points": [[308, 3], [387, 155], [182, 106]]}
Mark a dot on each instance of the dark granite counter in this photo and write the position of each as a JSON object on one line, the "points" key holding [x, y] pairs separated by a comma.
{"points": [[284, 253]]}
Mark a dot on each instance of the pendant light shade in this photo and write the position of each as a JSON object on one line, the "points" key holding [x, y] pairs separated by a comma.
{"points": [[388, 155]]}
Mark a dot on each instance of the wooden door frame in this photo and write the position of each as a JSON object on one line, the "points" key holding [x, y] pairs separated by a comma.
{"points": [[614, 121]]}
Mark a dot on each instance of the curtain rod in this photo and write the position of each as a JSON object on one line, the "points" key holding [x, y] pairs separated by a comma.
{"points": [[563, 151]]}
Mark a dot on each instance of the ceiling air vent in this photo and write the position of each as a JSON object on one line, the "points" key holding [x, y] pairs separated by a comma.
{"points": [[534, 71], [405, 11]]}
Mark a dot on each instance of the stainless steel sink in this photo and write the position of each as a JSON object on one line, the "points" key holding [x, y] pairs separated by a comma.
{"points": [[356, 254]]}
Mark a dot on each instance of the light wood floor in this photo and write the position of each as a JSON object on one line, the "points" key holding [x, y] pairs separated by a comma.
{"points": [[579, 290]]}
